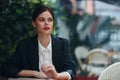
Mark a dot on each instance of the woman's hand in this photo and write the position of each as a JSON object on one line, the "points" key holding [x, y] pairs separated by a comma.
{"points": [[40, 75], [50, 71]]}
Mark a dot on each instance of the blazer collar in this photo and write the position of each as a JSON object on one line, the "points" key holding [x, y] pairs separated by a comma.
{"points": [[34, 51], [55, 49]]}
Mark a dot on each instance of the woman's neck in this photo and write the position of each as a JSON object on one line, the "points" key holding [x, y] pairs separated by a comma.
{"points": [[44, 40]]}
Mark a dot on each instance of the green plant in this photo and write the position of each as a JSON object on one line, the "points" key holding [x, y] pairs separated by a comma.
{"points": [[15, 24]]}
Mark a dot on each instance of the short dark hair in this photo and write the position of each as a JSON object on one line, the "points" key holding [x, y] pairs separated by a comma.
{"points": [[41, 9]]}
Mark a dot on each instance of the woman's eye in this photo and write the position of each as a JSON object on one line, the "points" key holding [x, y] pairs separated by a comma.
{"points": [[50, 19], [42, 20]]}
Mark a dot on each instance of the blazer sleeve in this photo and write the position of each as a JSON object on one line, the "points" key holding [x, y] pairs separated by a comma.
{"points": [[25, 57], [12, 66], [68, 62]]}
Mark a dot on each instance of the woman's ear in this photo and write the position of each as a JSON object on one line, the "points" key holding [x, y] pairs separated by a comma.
{"points": [[33, 23]]}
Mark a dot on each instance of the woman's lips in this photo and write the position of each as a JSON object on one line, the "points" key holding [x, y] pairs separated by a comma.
{"points": [[46, 28]]}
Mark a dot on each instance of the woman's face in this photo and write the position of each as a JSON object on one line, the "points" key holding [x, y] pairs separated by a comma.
{"points": [[44, 23]]}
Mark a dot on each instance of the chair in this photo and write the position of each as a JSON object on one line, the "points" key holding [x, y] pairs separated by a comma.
{"points": [[81, 53], [97, 61], [112, 72]]}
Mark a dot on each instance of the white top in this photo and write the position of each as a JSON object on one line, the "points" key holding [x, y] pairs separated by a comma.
{"points": [[45, 54]]}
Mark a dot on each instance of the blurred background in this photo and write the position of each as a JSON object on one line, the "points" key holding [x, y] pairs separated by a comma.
{"points": [[92, 26]]}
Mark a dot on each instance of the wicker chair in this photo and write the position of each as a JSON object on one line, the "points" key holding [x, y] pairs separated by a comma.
{"points": [[97, 61], [112, 72]]}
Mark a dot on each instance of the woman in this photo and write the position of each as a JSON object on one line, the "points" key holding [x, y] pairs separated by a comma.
{"points": [[43, 55]]}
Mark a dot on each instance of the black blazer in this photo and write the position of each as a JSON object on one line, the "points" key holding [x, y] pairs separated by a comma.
{"points": [[26, 57]]}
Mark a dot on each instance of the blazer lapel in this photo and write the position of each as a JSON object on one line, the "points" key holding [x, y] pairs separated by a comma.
{"points": [[55, 51], [34, 57]]}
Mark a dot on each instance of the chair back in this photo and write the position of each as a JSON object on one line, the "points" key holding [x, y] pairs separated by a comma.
{"points": [[97, 61], [81, 53], [112, 72]]}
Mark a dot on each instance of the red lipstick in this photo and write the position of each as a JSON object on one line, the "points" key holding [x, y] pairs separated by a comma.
{"points": [[46, 28]]}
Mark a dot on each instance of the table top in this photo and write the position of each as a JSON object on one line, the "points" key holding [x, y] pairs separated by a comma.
{"points": [[27, 79]]}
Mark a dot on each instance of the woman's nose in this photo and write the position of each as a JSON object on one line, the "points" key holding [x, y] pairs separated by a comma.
{"points": [[46, 22]]}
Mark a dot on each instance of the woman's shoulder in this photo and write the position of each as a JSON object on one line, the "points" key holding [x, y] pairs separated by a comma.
{"points": [[60, 39], [28, 40]]}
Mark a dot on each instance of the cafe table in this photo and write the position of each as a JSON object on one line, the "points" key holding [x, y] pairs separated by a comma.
{"points": [[27, 79]]}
